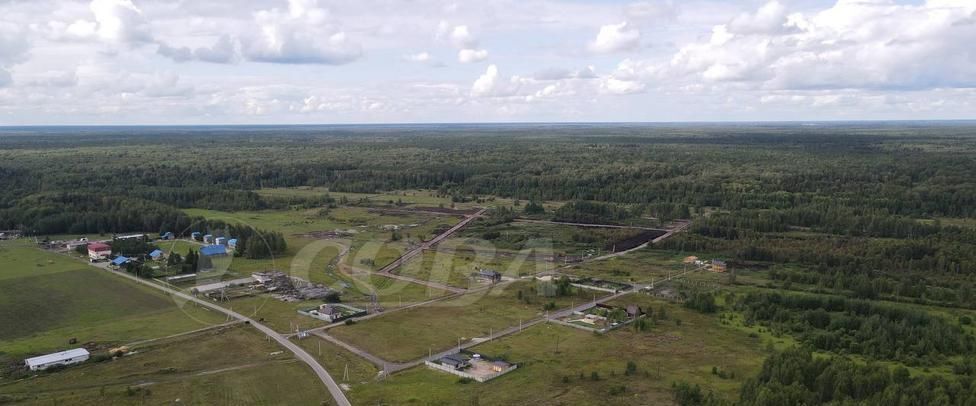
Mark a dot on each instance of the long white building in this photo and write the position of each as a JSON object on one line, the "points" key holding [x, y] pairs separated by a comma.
{"points": [[69, 357]]}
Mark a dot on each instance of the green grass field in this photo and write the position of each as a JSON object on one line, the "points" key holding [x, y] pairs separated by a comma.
{"points": [[410, 334], [557, 362], [229, 366], [42, 307]]}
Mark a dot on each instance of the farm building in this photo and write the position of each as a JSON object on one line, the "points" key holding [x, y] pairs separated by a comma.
{"points": [[98, 251], [131, 237], [690, 260], [213, 250], [69, 357], [156, 255], [718, 266], [167, 236], [196, 235], [208, 239], [232, 243], [220, 241]]}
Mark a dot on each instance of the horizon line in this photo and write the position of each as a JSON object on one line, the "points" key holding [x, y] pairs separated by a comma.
{"points": [[490, 123]]}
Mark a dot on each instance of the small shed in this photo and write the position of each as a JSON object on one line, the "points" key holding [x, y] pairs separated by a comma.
{"points": [[196, 235], [68, 357], [167, 235], [208, 239], [220, 241], [232, 243]]}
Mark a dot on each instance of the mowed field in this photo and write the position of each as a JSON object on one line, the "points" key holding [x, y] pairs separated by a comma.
{"points": [[47, 299], [232, 366], [557, 365], [410, 334]]}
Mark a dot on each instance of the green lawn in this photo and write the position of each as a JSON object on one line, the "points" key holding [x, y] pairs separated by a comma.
{"points": [[668, 352], [410, 334]]}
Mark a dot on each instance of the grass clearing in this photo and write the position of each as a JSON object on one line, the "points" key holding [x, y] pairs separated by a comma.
{"points": [[667, 353], [411, 333]]}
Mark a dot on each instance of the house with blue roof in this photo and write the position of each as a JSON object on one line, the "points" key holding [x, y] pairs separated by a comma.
{"points": [[156, 254], [232, 243], [120, 260], [213, 250]]}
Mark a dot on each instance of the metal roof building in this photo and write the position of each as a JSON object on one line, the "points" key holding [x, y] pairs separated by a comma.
{"points": [[120, 261], [213, 250], [68, 357]]}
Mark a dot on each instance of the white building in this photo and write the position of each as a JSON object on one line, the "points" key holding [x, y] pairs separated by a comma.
{"points": [[69, 357]]}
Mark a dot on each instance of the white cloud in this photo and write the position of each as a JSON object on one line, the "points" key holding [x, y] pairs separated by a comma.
{"points": [[461, 37], [490, 84], [616, 86], [420, 57], [854, 44], [615, 38], [472, 55], [303, 34], [117, 21], [650, 11]]}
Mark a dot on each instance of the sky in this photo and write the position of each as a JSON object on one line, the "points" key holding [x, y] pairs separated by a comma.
{"points": [[107, 62]]}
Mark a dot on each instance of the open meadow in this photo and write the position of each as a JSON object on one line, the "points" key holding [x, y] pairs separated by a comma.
{"points": [[564, 365], [414, 332], [231, 365], [46, 299]]}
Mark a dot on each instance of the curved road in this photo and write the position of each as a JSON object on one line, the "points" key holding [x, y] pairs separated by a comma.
{"points": [[330, 384]]}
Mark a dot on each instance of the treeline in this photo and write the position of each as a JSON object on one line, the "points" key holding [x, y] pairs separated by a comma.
{"points": [[826, 219], [796, 377], [83, 213], [841, 325]]}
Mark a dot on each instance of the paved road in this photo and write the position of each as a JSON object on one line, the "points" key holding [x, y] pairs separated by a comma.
{"points": [[323, 375], [563, 223]]}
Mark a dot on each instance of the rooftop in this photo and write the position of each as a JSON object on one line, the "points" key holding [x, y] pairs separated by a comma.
{"points": [[56, 357]]}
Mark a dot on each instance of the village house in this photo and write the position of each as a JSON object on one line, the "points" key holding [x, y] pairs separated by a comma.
{"points": [[98, 251]]}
